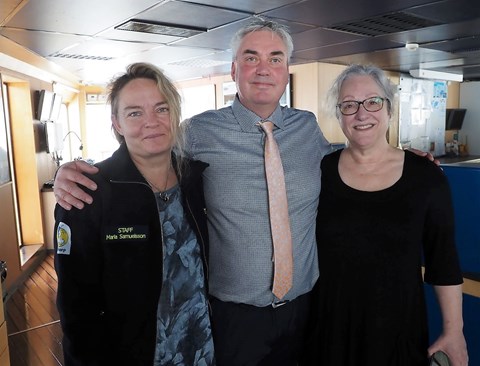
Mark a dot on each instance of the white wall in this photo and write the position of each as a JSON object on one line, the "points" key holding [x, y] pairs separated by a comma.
{"points": [[422, 114], [470, 132]]}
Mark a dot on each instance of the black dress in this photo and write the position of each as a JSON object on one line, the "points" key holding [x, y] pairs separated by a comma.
{"points": [[371, 307]]}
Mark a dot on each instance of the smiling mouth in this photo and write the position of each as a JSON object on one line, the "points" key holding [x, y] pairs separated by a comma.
{"points": [[262, 84], [363, 127], [153, 136]]}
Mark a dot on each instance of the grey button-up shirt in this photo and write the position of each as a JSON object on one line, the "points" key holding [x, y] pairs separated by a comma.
{"points": [[241, 268]]}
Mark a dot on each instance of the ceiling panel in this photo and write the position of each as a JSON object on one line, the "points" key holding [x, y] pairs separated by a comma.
{"points": [[319, 38], [124, 35], [344, 49], [441, 33], [92, 72], [442, 11], [191, 15], [398, 59], [345, 31], [326, 13], [102, 48], [168, 54], [248, 6], [42, 43], [457, 46], [87, 17], [218, 38]]}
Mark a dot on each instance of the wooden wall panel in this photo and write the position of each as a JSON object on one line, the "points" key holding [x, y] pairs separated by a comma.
{"points": [[25, 163], [8, 239]]}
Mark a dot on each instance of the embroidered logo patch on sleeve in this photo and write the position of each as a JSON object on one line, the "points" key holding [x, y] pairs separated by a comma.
{"points": [[64, 238]]}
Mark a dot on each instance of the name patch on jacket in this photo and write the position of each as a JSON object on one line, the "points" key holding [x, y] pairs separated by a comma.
{"points": [[126, 233]]}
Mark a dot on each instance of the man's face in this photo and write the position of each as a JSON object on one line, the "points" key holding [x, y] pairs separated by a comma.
{"points": [[260, 71]]}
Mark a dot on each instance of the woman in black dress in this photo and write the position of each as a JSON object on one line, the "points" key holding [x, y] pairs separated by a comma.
{"points": [[383, 213]]}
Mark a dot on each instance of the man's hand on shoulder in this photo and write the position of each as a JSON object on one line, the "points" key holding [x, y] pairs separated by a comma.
{"points": [[66, 185], [427, 155]]}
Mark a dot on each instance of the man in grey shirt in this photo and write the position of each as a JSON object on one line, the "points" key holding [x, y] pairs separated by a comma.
{"points": [[237, 203], [250, 325]]}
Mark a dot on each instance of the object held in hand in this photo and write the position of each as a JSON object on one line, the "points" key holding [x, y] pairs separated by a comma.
{"points": [[439, 358]]}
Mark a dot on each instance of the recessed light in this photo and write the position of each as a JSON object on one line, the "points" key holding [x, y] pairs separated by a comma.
{"points": [[411, 46]]}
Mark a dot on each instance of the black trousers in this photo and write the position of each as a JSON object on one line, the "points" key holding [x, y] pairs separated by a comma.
{"points": [[246, 335]]}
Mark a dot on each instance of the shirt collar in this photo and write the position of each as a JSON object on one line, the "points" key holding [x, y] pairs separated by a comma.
{"points": [[248, 119]]}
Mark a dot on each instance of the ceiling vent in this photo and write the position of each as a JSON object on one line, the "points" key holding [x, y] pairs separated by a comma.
{"points": [[467, 50], [200, 63], [80, 57], [385, 24], [165, 29]]}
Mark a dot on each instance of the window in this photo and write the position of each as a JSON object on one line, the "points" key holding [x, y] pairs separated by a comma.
{"points": [[100, 139]]}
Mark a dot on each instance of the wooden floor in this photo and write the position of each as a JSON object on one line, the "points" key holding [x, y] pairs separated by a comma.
{"points": [[34, 333]]}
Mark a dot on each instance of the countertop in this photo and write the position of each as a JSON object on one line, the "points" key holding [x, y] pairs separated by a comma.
{"points": [[470, 160]]}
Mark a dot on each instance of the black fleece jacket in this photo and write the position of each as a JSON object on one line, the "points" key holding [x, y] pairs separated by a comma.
{"points": [[108, 258]]}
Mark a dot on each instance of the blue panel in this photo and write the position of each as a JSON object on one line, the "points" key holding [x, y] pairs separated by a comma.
{"points": [[465, 186]]}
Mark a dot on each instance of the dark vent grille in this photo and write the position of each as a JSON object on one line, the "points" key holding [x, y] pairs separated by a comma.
{"points": [[385, 24], [467, 50], [81, 57], [163, 29]]}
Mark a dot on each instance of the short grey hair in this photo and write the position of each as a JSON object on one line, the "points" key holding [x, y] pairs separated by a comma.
{"points": [[260, 24], [388, 88]]}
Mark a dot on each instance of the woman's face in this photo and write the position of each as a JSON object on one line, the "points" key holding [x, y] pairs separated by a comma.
{"points": [[143, 119], [363, 128]]}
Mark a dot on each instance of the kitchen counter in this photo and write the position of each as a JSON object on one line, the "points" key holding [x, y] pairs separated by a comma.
{"points": [[470, 160]]}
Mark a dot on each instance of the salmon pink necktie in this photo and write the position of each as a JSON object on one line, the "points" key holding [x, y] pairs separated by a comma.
{"points": [[279, 221]]}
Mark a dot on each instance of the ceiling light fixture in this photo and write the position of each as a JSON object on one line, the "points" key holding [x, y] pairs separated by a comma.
{"points": [[411, 46], [173, 30], [437, 75]]}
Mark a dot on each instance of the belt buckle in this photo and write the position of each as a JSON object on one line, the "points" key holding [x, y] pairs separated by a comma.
{"points": [[278, 304]]}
